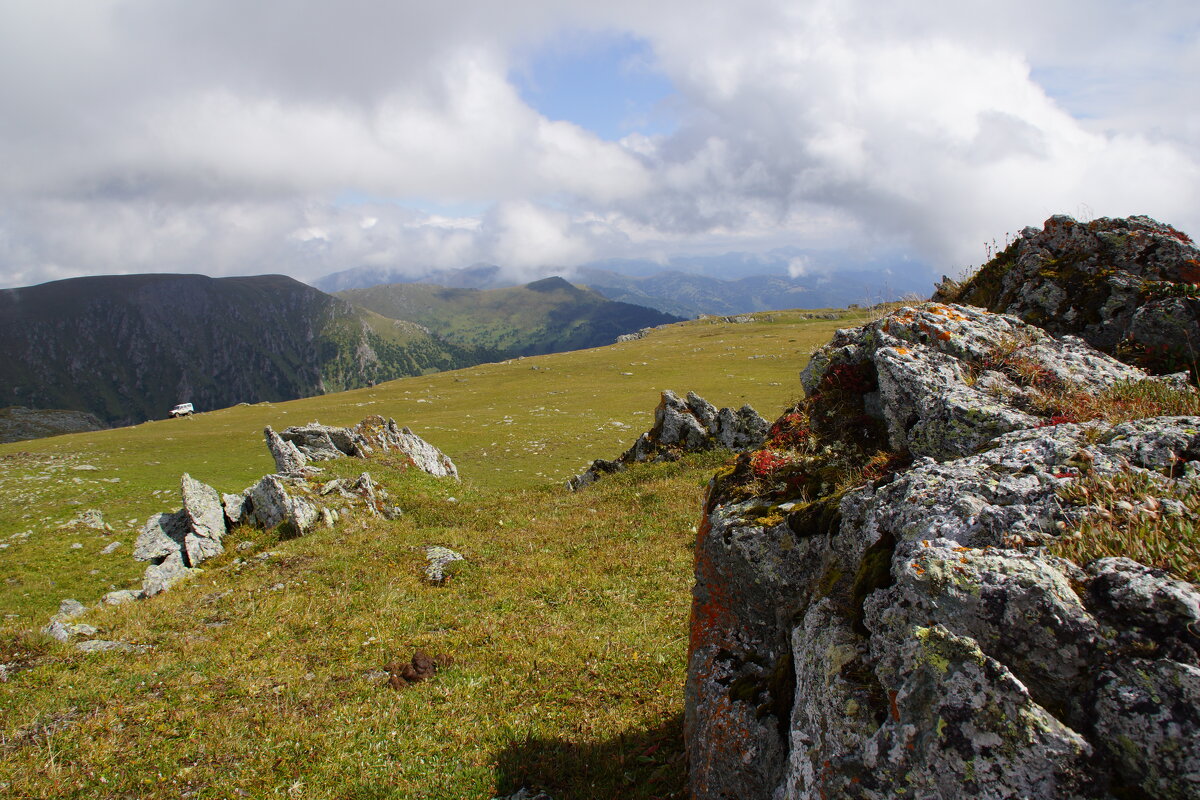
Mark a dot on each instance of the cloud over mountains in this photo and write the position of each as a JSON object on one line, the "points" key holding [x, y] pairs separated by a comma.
{"points": [[307, 137]]}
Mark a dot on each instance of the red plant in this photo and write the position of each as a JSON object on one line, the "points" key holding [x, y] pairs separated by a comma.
{"points": [[1058, 419], [1180, 235], [789, 431], [764, 462]]}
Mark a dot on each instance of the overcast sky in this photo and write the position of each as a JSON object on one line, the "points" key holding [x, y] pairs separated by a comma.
{"points": [[308, 136]]}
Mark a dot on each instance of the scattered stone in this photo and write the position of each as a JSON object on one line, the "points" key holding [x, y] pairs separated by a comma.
{"points": [[85, 468], [89, 518], [101, 646], [525, 794], [70, 608], [442, 564], [110, 548], [76, 545], [421, 667], [234, 506], [681, 427], [244, 546], [119, 596]]}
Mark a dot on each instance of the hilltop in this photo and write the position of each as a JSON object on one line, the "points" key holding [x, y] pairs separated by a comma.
{"points": [[546, 316], [128, 348]]}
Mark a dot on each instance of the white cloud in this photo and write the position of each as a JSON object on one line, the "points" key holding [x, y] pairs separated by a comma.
{"points": [[147, 135]]}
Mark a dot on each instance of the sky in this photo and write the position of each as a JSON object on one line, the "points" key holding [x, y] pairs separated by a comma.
{"points": [[304, 137]]}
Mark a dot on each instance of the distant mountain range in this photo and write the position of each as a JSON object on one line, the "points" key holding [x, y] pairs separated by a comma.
{"points": [[681, 292], [546, 316], [127, 348]]}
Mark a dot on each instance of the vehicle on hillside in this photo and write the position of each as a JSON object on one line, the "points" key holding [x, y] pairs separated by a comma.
{"points": [[182, 410]]}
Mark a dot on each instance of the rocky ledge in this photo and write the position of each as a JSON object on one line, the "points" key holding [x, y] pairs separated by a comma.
{"points": [[884, 604]]}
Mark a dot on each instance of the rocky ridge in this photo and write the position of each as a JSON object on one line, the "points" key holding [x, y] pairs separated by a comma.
{"points": [[1129, 287], [876, 606], [683, 426], [291, 499]]}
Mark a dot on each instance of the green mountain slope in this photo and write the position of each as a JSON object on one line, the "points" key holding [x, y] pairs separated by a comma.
{"points": [[567, 625], [547, 316], [128, 348]]}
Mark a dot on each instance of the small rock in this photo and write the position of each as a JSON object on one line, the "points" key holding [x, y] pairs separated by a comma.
{"points": [[100, 646], [110, 548], [116, 598], [440, 559]]}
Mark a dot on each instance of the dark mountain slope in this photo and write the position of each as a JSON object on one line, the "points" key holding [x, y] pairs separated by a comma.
{"points": [[127, 348], [546, 316]]}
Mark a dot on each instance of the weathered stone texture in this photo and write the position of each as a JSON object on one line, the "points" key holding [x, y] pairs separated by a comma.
{"points": [[909, 635]]}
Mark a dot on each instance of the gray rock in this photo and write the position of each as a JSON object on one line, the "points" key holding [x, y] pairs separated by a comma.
{"points": [[683, 426], [441, 563], [1120, 284], [288, 459], [70, 608], [110, 548], [90, 518], [322, 442], [65, 631], [204, 516], [162, 575], [161, 536], [912, 371], [121, 596], [234, 506], [102, 646], [272, 506], [910, 636]]}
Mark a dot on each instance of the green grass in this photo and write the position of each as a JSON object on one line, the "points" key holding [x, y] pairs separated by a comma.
{"points": [[567, 627], [523, 423]]}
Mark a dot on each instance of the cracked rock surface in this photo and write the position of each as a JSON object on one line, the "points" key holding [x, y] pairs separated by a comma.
{"points": [[910, 635]]}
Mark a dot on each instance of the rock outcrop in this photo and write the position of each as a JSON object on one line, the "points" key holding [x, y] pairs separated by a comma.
{"points": [[683, 426], [176, 543], [877, 610], [317, 442], [1129, 287]]}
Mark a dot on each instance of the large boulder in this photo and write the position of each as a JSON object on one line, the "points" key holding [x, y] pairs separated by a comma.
{"points": [[683, 426], [1129, 287], [912, 634], [175, 543]]}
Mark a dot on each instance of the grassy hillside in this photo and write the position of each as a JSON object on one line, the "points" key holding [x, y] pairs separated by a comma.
{"points": [[129, 347], [567, 628], [546, 316]]}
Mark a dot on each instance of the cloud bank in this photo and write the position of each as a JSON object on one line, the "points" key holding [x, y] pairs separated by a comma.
{"points": [[310, 136]]}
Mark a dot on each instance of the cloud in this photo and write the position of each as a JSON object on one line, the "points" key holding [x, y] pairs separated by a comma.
{"points": [[218, 137]]}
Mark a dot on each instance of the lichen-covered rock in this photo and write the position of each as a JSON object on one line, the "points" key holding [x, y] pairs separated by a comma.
{"points": [[934, 379], [1127, 286], [271, 506], [908, 644], [374, 434], [683, 426], [204, 515], [175, 543], [322, 442], [442, 563], [288, 459], [911, 635]]}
